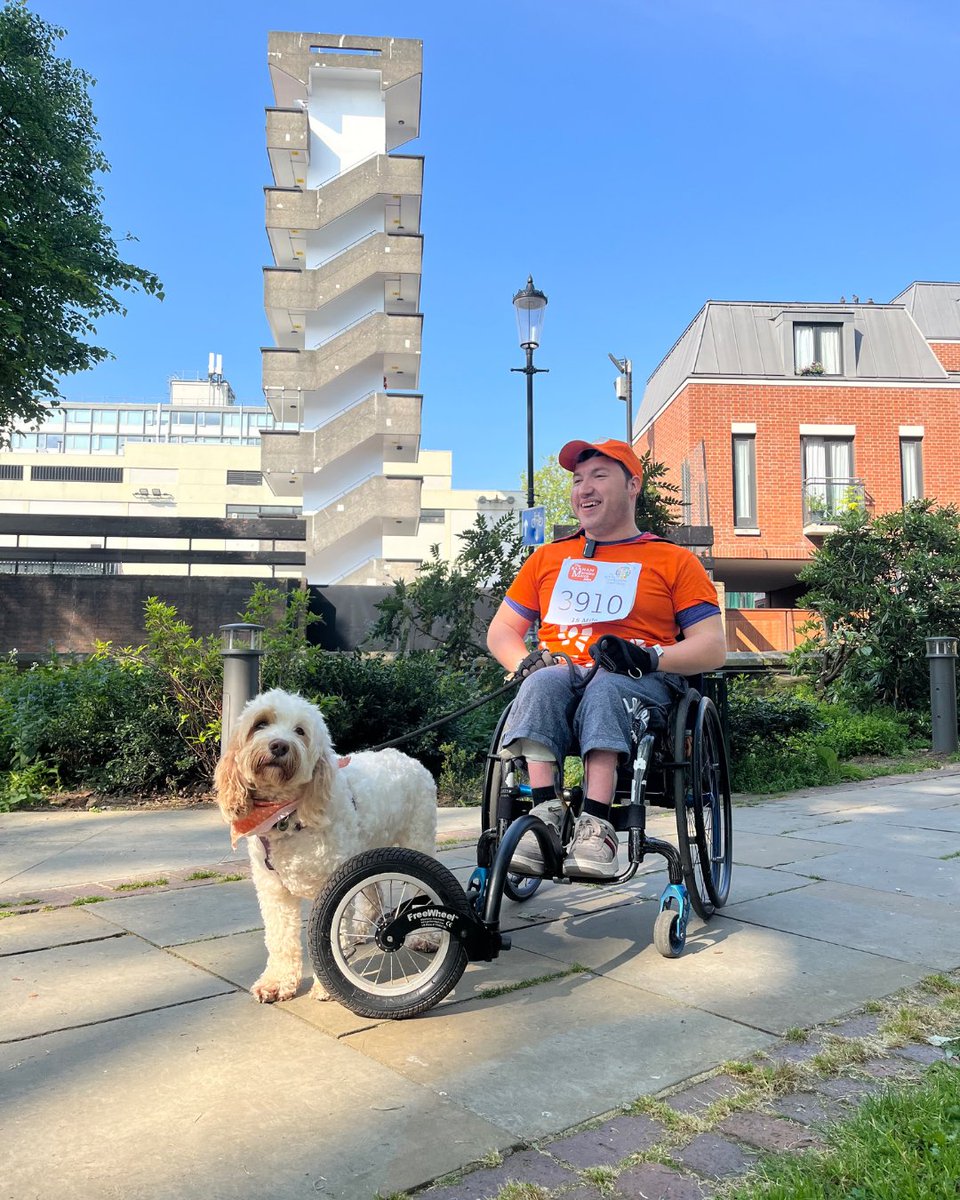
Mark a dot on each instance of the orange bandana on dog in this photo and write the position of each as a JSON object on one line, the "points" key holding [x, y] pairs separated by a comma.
{"points": [[263, 817]]}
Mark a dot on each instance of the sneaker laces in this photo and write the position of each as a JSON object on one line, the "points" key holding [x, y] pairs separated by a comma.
{"points": [[590, 831]]}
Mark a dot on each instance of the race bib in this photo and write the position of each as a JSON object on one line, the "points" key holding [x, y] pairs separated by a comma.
{"points": [[593, 592]]}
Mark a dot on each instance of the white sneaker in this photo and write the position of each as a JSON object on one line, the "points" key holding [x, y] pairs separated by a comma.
{"points": [[593, 850], [527, 858]]}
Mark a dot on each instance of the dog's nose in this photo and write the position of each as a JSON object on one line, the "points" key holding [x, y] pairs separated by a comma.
{"points": [[278, 749]]}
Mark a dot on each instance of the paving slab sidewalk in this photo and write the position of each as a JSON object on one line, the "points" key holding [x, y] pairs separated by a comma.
{"points": [[127, 1036]]}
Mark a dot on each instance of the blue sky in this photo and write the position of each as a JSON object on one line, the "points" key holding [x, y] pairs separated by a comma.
{"points": [[638, 157]]}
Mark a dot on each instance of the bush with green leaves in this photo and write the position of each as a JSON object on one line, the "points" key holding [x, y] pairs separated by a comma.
{"points": [[94, 723], [880, 587], [782, 737]]}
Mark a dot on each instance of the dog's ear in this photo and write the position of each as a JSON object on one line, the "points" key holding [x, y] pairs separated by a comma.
{"points": [[232, 793]]}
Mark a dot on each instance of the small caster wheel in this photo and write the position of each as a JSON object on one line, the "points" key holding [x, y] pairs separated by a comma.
{"points": [[666, 934]]}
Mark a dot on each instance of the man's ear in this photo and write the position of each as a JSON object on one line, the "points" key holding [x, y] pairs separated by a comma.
{"points": [[634, 486]]}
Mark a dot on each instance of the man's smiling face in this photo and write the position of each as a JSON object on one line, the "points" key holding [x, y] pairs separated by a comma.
{"points": [[604, 499]]}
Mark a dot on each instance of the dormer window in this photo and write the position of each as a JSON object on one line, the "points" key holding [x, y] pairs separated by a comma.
{"points": [[816, 349]]}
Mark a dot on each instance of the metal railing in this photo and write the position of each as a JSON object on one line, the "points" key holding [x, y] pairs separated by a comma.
{"points": [[826, 500]]}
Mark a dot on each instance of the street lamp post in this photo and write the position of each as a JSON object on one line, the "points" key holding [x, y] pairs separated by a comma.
{"points": [[530, 305], [623, 385]]}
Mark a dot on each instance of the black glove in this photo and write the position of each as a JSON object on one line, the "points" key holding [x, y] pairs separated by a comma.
{"points": [[533, 662], [623, 658]]}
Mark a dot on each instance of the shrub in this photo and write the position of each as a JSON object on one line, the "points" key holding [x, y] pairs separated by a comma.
{"points": [[762, 716], [853, 733], [97, 722]]}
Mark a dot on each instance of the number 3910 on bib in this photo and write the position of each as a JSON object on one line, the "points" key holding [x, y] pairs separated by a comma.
{"points": [[592, 591]]}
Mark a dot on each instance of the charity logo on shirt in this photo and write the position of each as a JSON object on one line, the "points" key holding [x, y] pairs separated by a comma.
{"points": [[588, 592]]}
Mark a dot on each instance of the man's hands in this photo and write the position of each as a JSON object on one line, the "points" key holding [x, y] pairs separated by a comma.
{"points": [[623, 658], [533, 662]]}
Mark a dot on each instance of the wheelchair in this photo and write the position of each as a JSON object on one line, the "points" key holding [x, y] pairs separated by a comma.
{"points": [[393, 930]]}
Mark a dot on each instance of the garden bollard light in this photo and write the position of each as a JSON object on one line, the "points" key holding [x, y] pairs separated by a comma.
{"points": [[241, 650], [942, 653]]}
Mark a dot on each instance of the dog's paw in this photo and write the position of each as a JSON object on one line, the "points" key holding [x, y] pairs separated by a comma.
{"points": [[319, 992], [268, 990]]}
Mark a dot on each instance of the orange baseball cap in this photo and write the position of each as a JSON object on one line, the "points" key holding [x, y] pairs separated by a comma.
{"points": [[611, 448]]}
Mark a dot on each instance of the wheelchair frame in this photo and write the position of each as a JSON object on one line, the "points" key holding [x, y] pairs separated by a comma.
{"points": [[375, 964]]}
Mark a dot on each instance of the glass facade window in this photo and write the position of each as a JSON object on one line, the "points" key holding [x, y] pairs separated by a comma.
{"points": [[78, 416], [745, 480], [78, 443], [130, 420], [911, 468], [817, 346], [104, 419], [104, 444]]}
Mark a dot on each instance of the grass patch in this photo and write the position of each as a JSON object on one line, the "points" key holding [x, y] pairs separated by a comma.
{"points": [[19, 903], [904, 1143], [837, 1053], [512, 1190], [502, 989], [86, 900], [945, 857], [203, 875], [231, 878], [143, 883], [603, 1178]]}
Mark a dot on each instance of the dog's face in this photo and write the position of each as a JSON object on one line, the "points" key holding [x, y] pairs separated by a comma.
{"points": [[280, 745]]}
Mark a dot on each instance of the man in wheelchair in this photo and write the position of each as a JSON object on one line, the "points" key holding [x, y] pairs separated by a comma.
{"points": [[608, 578]]}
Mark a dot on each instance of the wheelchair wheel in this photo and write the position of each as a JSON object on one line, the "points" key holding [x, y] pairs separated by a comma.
{"points": [[687, 799], [515, 887], [363, 897], [713, 815], [666, 937]]}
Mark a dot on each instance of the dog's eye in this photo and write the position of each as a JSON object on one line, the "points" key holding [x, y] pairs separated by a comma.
{"points": [[300, 731], [261, 724]]}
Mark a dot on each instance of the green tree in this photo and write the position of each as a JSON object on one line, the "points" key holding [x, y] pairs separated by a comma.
{"points": [[449, 605], [60, 267], [880, 587], [551, 488]]}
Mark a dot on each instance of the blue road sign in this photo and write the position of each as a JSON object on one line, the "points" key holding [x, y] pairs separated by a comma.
{"points": [[533, 523]]}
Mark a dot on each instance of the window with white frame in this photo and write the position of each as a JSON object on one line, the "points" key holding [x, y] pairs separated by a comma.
{"points": [[745, 480], [827, 477], [816, 349], [911, 468]]}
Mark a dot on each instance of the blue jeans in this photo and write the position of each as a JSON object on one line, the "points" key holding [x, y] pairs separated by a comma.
{"points": [[548, 708]]}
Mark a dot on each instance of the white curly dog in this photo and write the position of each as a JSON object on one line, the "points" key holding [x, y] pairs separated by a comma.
{"points": [[304, 812]]}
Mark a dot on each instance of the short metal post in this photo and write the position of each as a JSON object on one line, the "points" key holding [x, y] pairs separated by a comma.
{"points": [[242, 651], [942, 653]]}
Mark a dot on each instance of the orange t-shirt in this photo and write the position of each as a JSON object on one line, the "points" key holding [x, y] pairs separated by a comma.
{"points": [[673, 593]]}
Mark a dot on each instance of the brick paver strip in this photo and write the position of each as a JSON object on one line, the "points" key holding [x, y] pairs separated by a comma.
{"points": [[810, 1109], [652, 1181], [713, 1156], [527, 1166], [851, 1091], [608, 1144], [919, 1053], [794, 1052], [695, 1099], [865, 1025], [896, 1070], [769, 1133]]}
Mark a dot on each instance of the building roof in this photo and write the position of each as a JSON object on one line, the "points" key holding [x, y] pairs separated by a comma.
{"points": [[743, 340], [935, 307]]}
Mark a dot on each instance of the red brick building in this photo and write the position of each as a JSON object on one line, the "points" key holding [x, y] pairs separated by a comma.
{"points": [[774, 418]]}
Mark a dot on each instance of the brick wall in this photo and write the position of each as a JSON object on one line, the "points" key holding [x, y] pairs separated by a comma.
{"points": [[706, 411], [948, 353]]}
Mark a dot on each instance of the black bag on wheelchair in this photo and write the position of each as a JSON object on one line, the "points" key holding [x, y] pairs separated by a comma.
{"points": [[615, 654]]}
